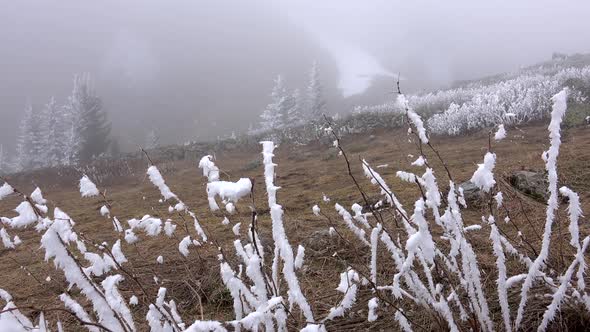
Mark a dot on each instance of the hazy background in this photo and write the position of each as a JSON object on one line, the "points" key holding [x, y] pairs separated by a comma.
{"points": [[198, 69]]}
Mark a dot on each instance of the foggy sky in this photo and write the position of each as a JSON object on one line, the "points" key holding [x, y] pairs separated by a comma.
{"points": [[198, 69]]}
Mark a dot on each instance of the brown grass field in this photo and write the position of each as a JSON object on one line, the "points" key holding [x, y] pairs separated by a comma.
{"points": [[305, 173]]}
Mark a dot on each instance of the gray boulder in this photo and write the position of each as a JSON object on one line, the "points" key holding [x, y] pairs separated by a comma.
{"points": [[471, 192], [531, 183]]}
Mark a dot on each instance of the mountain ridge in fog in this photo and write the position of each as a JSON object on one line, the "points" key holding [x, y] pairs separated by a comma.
{"points": [[199, 69], [209, 71]]}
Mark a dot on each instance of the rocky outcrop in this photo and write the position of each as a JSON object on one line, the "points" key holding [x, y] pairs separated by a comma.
{"points": [[531, 183]]}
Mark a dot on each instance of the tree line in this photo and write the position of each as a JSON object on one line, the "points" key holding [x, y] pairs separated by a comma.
{"points": [[57, 135], [79, 131], [290, 109]]}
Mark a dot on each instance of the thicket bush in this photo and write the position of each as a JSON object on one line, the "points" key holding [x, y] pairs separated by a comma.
{"points": [[578, 115], [509, 99]]}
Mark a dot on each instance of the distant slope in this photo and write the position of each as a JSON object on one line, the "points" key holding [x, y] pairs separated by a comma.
{"points": [[510, 98], [550, 66]]}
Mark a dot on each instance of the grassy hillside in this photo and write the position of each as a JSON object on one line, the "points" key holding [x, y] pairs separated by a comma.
{"points": [[305, 174]]}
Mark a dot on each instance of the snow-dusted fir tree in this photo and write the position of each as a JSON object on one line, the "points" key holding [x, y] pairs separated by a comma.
{"points": [[88, 119], [152, 140], [72, 145], [3, 163], [54, 133], [294, 113], [251, 130], [74, 141], [114, 148], [25, 145], [274, 115], [37, 135], [315, 103]]}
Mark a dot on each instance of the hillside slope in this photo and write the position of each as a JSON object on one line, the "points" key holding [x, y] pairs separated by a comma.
{"points": [[305, 174]]}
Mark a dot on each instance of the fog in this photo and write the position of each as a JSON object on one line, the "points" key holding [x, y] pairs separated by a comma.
{"points": [[198, 69]]}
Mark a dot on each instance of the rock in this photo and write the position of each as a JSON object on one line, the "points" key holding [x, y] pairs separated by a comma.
{"points": [[471, 192], [320, 241], [531, 183]]}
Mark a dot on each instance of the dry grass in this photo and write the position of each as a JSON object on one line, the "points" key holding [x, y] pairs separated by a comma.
{"points": [[305, 173]]}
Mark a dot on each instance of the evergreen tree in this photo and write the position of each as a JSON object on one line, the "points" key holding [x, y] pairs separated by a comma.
{"points": [[88, 119], [3, 163], [252, 130], [30, 148], [315, 99], [74, 141], [24, 144], [294, 114], [37, 139], [152, 140], [54, 130], [275, 114], [114, 148]]}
